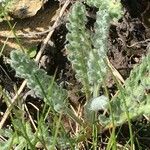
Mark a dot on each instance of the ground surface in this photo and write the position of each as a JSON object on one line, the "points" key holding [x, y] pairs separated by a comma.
{"points": [[128, 42]]}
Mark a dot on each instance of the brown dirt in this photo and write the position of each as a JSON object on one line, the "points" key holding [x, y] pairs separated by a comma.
{"points": [[28, 30]]}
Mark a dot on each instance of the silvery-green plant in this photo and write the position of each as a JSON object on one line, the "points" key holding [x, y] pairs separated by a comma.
{"points": [[37, 80], [112, 6], [99, 103], [79, 43], [135, 95], [88, 51], [133, 98], [42, 84]]}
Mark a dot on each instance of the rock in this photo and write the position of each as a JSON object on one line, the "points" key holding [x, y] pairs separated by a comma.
{"points": [[24, 8]]}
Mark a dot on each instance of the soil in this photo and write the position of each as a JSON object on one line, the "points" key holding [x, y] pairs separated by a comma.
{"points": [[128, 42], [30, 31]]}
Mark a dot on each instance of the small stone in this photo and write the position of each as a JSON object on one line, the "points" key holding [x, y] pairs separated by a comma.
{"points": [[24, 8]]}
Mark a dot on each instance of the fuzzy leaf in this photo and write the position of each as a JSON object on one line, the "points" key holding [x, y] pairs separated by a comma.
{"points": [[99, 103], [37, 79], [112, 6], [79, 42], [134, 98]]}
